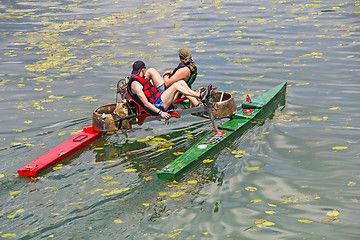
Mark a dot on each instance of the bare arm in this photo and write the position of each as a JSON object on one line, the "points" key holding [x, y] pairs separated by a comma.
{"points": [[181, 74]]}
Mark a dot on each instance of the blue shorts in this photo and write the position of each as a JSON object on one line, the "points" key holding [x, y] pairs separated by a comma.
{"points": [[158, 103], [162, 88]]}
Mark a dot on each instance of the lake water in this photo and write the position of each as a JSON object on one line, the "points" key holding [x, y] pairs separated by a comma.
{"points": [[295, 177]]}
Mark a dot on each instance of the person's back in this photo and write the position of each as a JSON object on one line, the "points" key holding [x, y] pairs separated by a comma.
{"points": [[186, 70]]}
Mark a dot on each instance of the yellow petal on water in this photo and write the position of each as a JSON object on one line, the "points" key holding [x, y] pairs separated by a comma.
{"points": [[131, 170], [329, 219], [11, 215], [107, 177], [178, 153], [333, 213], [163, 193], [145, 139], [97, 190], [57, 167], [113, 183], [56, 97], [192, 182], [148, 178], [115, 191], [251, 189], [240, 152], [174, 235], [9, 235], [261, 223], [305, 221], [118, 221], [339, 148], [19, 211], [207, 160], [163, 149], [266, 224], [75, 203], [270, 212], [351, 183], [177, 194], [159, 139], [252, 168]]}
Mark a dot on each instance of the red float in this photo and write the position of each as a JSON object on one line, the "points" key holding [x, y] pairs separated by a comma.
{"points": [[62, 151], [247, 111]]}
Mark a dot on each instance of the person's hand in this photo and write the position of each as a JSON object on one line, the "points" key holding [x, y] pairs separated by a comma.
{"points": [[166, 73], [165, 115]]}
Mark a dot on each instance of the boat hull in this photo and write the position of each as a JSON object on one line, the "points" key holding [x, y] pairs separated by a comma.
{"points": [[62, 151], [231, 130]]}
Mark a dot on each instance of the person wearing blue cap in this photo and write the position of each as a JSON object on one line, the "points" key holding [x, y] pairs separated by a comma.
{"points": [[144, 87]]}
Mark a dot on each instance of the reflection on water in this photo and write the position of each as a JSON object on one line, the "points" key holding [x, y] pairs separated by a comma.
{"points": [[294, 176]]}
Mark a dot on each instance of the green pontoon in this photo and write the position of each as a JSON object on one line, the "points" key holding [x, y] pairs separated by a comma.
{"points": [[251, 113]]}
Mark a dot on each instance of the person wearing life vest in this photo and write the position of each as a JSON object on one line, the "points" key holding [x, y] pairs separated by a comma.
{"points": [[144, 88], [183, 71]]}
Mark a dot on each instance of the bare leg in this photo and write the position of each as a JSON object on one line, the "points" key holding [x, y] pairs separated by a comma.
{"points": [[153, 75], [169, 95], [192, 99]]}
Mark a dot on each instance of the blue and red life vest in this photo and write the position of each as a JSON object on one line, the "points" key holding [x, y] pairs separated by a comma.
{"points": [[149, 90]]}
